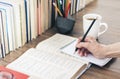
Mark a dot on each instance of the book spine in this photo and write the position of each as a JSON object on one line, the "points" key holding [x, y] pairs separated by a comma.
{"points": [[2, 42]]}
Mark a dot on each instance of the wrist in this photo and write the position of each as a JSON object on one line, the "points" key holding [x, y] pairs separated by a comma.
{"points": [[104, 50], [108, 51]]}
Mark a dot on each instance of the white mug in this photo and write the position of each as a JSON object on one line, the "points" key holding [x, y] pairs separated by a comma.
{"points": [[95, 30]]}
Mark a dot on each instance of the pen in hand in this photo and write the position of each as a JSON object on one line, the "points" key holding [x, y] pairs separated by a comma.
{"points": [[83, 39]]}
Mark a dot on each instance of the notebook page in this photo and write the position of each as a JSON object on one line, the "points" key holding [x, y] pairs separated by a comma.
{"points": [[70, 49], [46, 65]]}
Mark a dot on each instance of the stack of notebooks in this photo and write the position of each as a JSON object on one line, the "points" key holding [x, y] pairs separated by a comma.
{"points": [[54, 58], [23, 20]]}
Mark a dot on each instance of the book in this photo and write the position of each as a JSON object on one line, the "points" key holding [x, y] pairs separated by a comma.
{"points": [[53, 14], [47, 59], [39, 29], [6, 73], [33, 13], [28, 22], [1, 53], [50, 12], [23, 21]]}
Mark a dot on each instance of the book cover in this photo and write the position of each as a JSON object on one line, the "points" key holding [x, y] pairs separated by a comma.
{"points": [[33, 13], [21, 4], [27, 12], [39, 17], [6, 73]]}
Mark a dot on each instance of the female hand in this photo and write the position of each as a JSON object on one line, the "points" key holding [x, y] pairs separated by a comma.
{"points": [[91, 46]]}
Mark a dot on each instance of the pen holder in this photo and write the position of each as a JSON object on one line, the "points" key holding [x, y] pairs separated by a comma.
{"points": [[64, 25]]}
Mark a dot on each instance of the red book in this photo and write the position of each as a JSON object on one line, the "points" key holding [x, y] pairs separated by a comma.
{"points": [[6, 73]]}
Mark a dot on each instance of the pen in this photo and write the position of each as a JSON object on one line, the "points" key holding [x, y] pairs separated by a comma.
{"points": [[83, 39]]}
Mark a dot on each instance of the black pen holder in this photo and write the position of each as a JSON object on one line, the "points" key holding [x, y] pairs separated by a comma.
{"points": [[64, 25]]}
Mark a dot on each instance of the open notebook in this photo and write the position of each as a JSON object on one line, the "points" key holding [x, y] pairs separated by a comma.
{"points": [[70, 49], [46, 61]]}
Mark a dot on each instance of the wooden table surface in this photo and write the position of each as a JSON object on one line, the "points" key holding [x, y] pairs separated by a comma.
{"points": [[110, 11]]}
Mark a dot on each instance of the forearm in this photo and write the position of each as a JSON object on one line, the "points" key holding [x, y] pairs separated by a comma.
{"points": [[113, 50]]}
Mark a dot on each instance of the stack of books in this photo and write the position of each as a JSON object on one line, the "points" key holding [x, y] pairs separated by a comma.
{"points": [[21, 21]]}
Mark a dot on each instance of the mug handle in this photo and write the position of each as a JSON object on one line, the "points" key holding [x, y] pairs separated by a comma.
{"points": [[106, 27]]}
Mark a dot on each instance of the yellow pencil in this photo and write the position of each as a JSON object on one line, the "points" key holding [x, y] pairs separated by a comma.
{"points": [[57, 9]]}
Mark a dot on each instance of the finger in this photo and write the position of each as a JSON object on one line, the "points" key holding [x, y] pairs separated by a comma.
{"points": [[79, 52], [79, 39], [85, 52], [82, 45], [82, 52]]}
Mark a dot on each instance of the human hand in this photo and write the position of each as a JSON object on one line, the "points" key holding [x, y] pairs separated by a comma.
{"points": [[91, 46]]}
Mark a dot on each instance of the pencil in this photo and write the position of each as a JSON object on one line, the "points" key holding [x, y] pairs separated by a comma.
{"points": [[83, 39], [57, 9], [67, 8]]}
